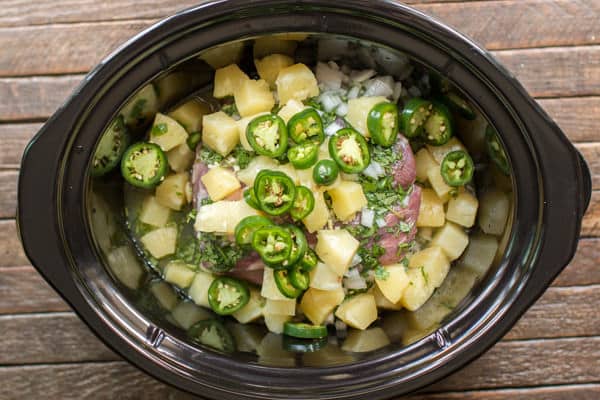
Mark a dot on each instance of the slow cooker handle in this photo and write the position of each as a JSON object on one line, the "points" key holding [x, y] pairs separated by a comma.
{"points": [[586, 184], [38, 207]]}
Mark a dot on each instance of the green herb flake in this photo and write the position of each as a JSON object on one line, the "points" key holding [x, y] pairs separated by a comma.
{"points": [[381, 273], [138, 108], [159, 129], [242, 156], [425, 274], [209, 157]]}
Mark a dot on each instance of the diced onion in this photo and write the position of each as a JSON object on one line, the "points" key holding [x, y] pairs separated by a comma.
{"points": [[342, 110], [332, 128], [330, 101], [355, 260], [380, 222], [355, 283], [374, 170], [397, 91], [353, 93], [380, 86], [363, 75], [367, 217], [328, 78]]}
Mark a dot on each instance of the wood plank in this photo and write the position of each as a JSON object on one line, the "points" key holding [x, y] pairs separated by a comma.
{"points": [[49, 338], [23, 290], [105, 380], [8, 194], [591, 153], [13, 139], [11, 251], [577, 116], [527, 363], [34, 98], [566, 392], [583, 269], [508, 364], [591, 221]]}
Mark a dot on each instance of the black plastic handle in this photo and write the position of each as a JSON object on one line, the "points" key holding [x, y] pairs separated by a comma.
{"points": [[586, 184]]}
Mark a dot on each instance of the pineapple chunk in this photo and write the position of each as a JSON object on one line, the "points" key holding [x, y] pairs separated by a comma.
{"points": [[187, 314], [227, 80], [347, 198], [291, 108], [365, 341], [452, 239], [179, 274], [493, 212], [266, 45], [280, 307], [268, 68], [222, 216], [425, 233], [248, 174], [167, 133], [181, 158], [317, 304], [427, 270], [220, 132], [275, 322], [336, 248], [358, 111], [252, 310], [126, 267], [269, 289], [171, 192], [480, 253], [253, 97], [439, 152], [160, 242], [396, 281], [318, 216], [424, 162], [165, 295], [442, 189], [462, 209], [247, 337], [190, 114], [220, 182], [358, 311], [431, 210], [242, 124], [296, 82], [324, 278], [382, 302], [198, 291], [153, 213], [223, 55]]}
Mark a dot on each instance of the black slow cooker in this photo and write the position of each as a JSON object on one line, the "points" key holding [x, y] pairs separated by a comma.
{"points": [[550, 186]]}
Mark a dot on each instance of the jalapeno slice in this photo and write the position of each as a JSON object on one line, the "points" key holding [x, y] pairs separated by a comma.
{"points": [[275, 192], [414, 115], [193, 139], [299, 245], [244, 230], [304, 155], [459, 105], [273, 244], [112, 145], [350, 151], [212, 333], [457, 168], [309, 261], [227, 295], [299, 278], [304, 331], [282, 280], [297, 345], [251, 199], [383, 123], [267, 135], [438, 127], [495, 150], [144, 165], [303, 204], [306, 125], [325, 172]]}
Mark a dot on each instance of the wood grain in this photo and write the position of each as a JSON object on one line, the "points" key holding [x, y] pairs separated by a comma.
{"points": [[49, 338], [8, 194], [591, 153], [11, 252], [583, 269], [13, 139], [579, 392], [591, 221], [576, 116], [35, 97], [23, 290]]}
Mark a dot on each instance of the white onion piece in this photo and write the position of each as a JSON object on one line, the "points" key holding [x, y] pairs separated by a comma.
{"points": [[367, 217], [328, 78], [380, 222], [354, 92], [332, 128], [352, 273], [397, 91], [329, 101], [380, 86], [374, 170], [355, 283], [341, 110], [362, 75], [355, 260]]}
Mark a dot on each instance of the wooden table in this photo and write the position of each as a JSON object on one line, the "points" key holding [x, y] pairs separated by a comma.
{"points": [[552, 46]]}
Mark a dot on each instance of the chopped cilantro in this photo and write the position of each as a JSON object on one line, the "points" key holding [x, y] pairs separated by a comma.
{"points": [[425, 275], [400, 227], [381, 273], [386, 157], [242, 156], [160, 129], [230, 109], [218, 254], [138, 108], [205, 201], [404, 262], [209, 157], [191, 216]]}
